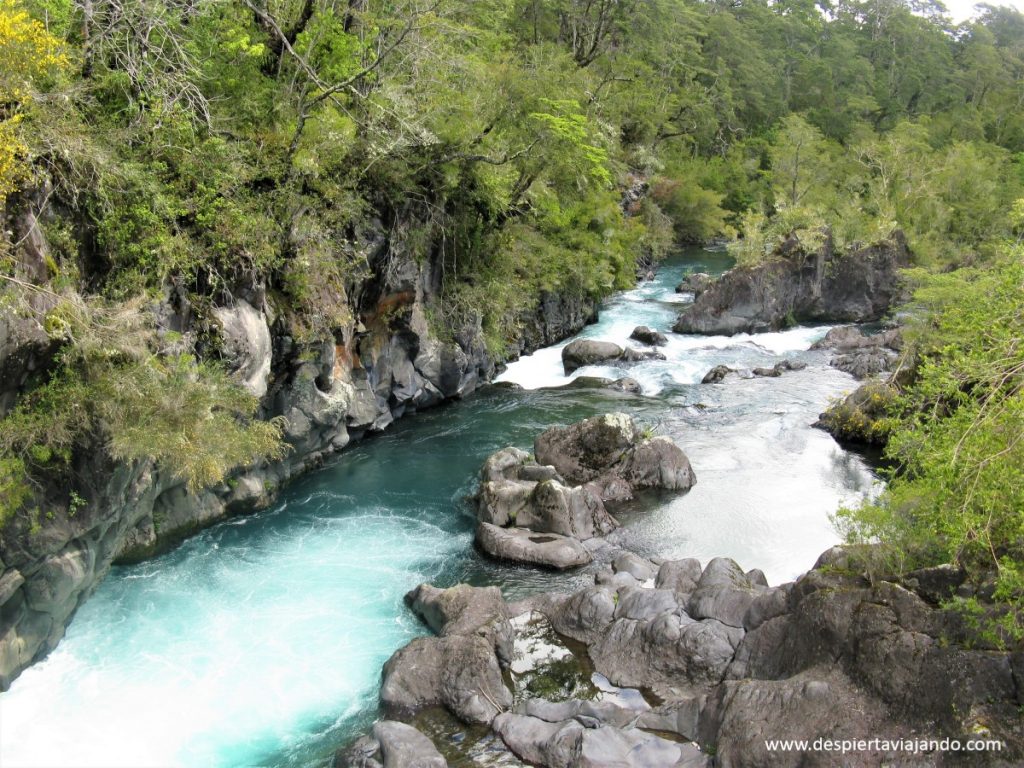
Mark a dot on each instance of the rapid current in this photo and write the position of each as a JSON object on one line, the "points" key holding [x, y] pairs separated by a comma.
{"points": [[259, 642]]}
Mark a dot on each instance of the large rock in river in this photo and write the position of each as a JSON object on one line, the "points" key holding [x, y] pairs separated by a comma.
{"points": [[583, 352], [458, 672], [610, 452], [521, 545], [796, 286]]}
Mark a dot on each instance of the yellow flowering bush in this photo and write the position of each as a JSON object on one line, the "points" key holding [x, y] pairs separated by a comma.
{"points": [[27, 52]]}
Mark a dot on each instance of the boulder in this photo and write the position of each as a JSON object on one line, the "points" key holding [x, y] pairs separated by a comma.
{"points": [[583, 352], [458, 672], [797, 285], [586, 450], [465, 610], [695, 283], [402, 746], [539, 742], [520, 545], [717, 374], [657, 463], [665, 648], [515, 490], [584, 615], [681, 576], [555, 508], [610, 452], [630, 355], [646, 335], [636, 566]]}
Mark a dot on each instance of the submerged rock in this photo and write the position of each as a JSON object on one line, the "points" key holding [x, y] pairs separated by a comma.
{"points": [[625, 384], [779, 368], [717, 374]]}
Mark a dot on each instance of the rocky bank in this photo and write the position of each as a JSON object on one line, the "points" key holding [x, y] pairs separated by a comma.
{"points": [[383, 361], [677, 664]]}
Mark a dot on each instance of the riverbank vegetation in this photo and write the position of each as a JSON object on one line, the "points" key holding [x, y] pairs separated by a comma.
{"points": [[158, 146], [956, 491]]}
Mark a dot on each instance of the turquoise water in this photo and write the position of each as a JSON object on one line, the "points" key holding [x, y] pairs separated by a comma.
{"points": [[260, 641]]}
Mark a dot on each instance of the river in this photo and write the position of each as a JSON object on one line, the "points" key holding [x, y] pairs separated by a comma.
{"points": [[259, 642]]}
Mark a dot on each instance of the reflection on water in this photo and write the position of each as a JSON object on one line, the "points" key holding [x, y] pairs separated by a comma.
{"points": [[260, 641]]}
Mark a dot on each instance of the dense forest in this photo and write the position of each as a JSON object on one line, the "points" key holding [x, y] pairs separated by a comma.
{"points": [[523, 146]]}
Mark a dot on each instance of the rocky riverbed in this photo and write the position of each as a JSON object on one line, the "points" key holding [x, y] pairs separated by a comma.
{"points": [[725, 661], [315, 583]]}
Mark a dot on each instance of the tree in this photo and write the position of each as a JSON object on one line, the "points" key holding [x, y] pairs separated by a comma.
{"points": [[800, 161]]}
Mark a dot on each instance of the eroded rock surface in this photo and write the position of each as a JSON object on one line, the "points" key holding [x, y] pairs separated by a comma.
{"points": [[824, 286], [539, 511]]}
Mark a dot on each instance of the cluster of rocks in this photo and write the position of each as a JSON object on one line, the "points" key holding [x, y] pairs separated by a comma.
{"points": [[859, 354], [800, 286], [717, 374], [726, 662], [679, 665], [543, 509], [583, 352]]}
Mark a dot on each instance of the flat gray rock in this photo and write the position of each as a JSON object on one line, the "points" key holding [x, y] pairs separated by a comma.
{"points": [[521, 545]]}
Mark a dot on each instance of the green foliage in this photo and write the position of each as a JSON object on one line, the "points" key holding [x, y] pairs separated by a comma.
{"points": [[184, 146], [111, 392], [958, 441], [865, 416], [695, 212]]}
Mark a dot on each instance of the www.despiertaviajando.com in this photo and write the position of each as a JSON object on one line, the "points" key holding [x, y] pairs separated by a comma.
{"points": [[906, 746]]}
